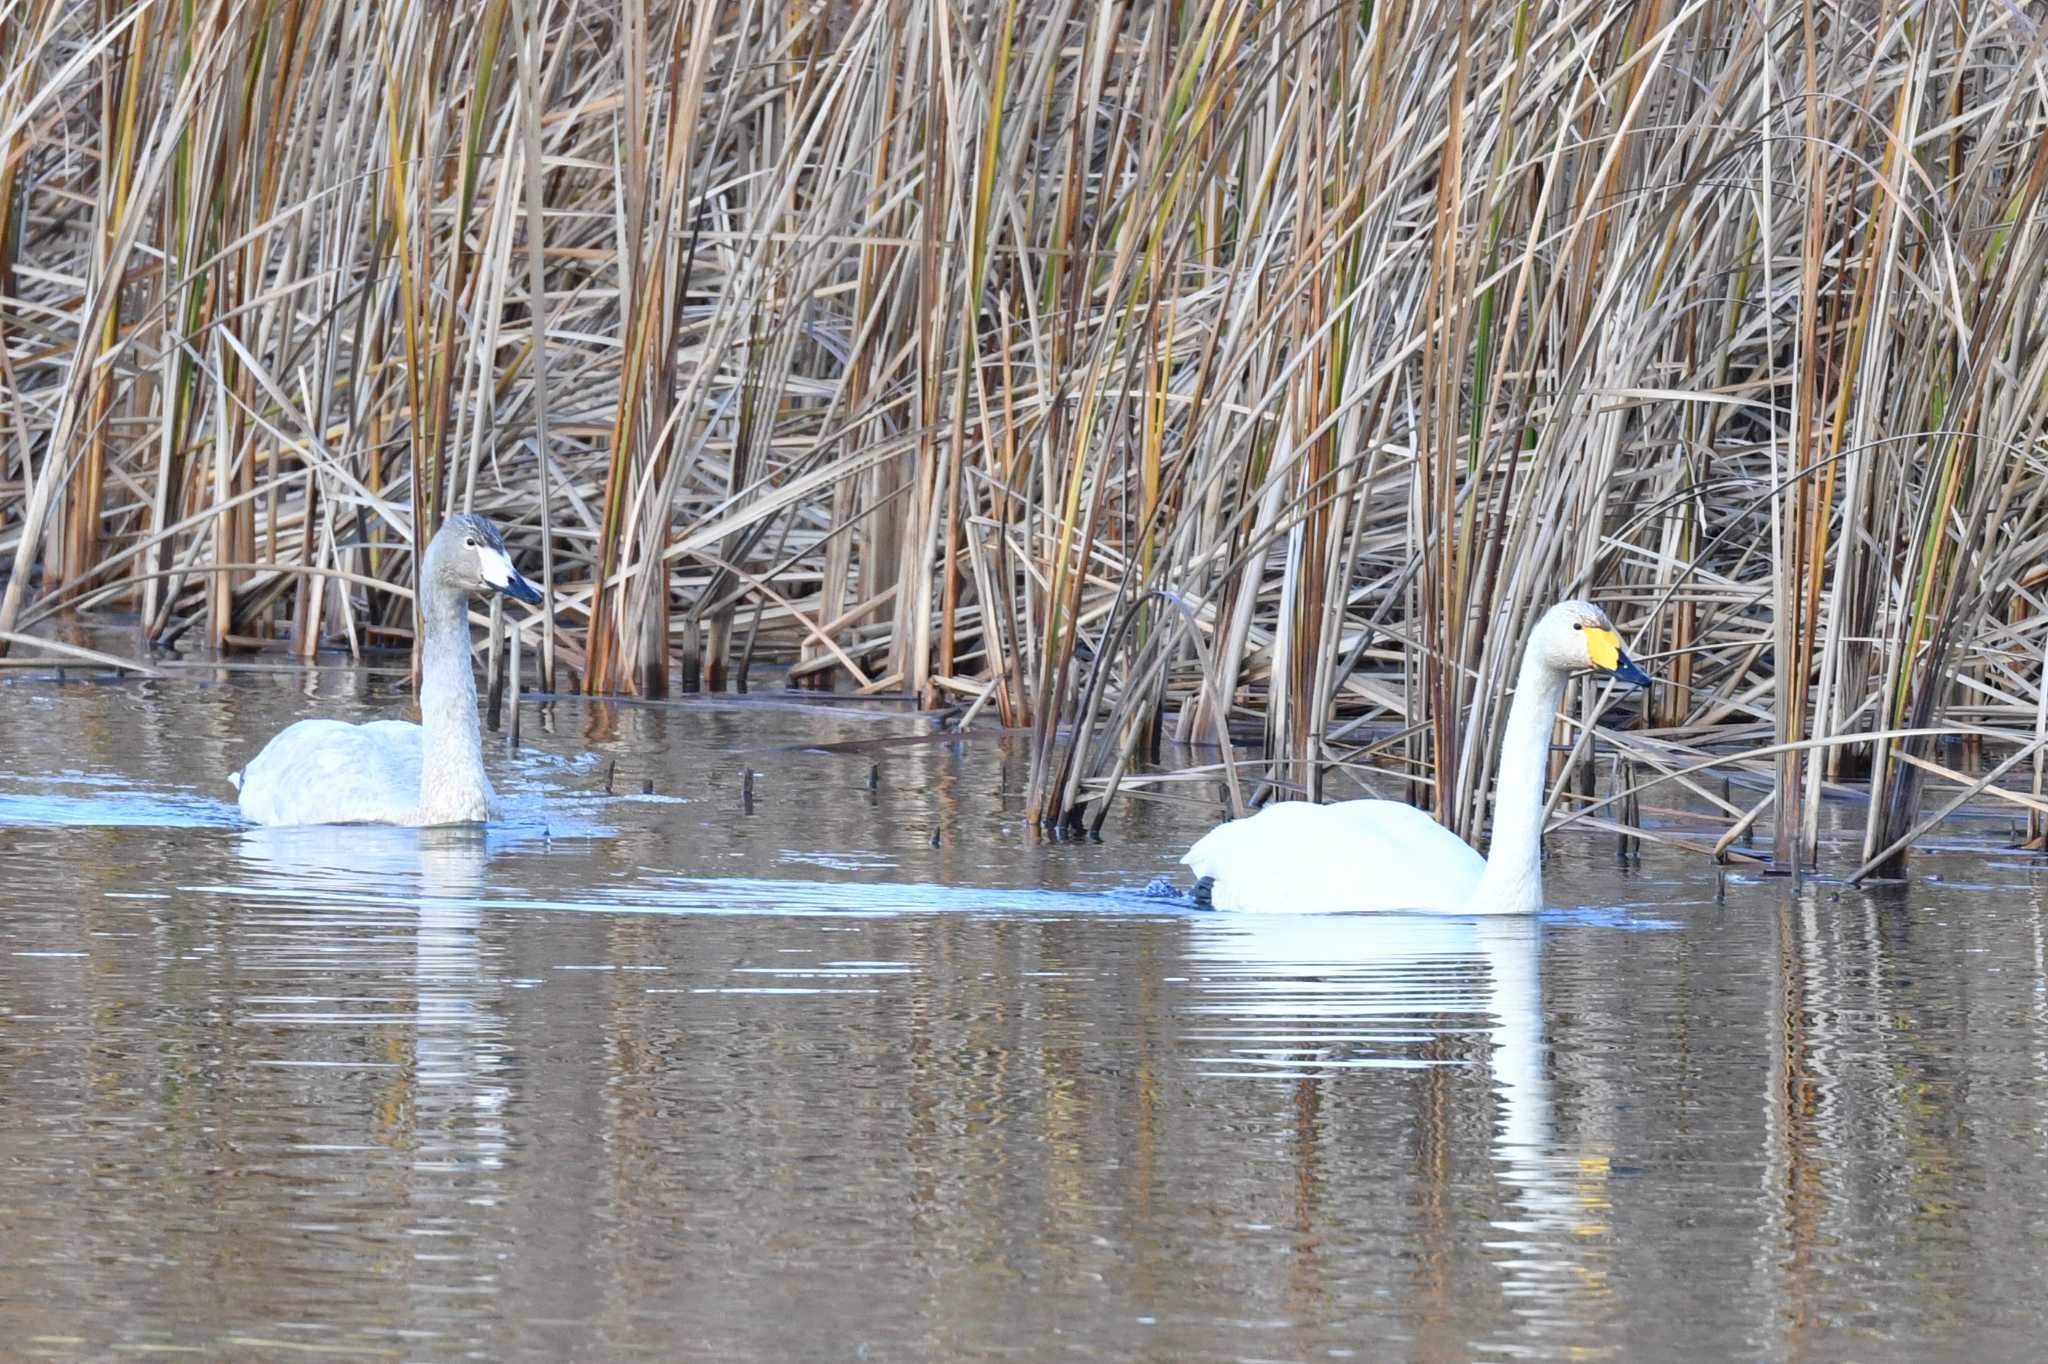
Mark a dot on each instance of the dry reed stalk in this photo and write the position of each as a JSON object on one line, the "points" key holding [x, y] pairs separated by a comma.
{"points": [[945, 345]]}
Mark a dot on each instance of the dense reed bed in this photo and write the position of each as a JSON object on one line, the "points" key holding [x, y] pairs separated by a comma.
{"points": [[1100, 368]]}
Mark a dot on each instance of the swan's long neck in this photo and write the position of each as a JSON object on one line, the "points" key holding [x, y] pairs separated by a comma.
{"points": [[453, 787], [1513, 883]]}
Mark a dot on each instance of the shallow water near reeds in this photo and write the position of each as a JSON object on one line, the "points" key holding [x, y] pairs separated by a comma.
{"points": [[875, 1075]]}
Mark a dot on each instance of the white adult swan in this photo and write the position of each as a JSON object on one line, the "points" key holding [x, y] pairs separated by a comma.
{"points": [[393, 771], [1297, 857]]}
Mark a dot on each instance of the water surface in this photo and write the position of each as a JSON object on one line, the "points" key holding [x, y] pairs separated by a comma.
{"points": [[876, 1075]]}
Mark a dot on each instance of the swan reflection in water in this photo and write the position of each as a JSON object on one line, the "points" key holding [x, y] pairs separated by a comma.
{"points": [[355, 890], [374, 863], [1324, 999], [461, 1044]]}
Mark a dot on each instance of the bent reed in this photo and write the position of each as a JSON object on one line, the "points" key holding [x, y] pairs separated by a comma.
{"points": [[1233, 367]]}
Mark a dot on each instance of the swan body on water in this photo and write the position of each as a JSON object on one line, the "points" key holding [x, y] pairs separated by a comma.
{"points": [[1296, 857], [393, 771]]}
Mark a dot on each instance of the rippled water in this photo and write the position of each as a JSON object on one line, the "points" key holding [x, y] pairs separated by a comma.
{"points": [[875, 1075]]}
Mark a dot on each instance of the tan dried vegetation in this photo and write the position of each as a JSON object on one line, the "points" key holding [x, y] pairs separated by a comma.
{"points": [[1086, 365]]}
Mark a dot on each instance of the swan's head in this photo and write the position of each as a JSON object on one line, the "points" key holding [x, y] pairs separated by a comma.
{"points": [[1576, 635], [469, 555]]}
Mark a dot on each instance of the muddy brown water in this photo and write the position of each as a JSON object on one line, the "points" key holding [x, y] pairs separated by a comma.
{"points": [[878, 1076]]}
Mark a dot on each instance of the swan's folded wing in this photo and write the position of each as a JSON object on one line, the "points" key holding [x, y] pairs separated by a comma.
{"points": [[330, 772], [1300, 858]]}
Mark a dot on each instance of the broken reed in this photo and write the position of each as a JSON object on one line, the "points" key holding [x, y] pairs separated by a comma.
{"points": [[1309, 351]]}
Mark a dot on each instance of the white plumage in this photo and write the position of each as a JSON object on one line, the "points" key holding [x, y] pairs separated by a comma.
{"points": [[393, 771], [332, 772], [1300, 858], [1296, 857]]}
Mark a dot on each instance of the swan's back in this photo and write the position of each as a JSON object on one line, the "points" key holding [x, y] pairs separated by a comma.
{"points": [[330, 772], [1300, 858]]}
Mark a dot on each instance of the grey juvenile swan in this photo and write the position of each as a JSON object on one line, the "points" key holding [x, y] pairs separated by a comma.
{"points": [[393, 771]]}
